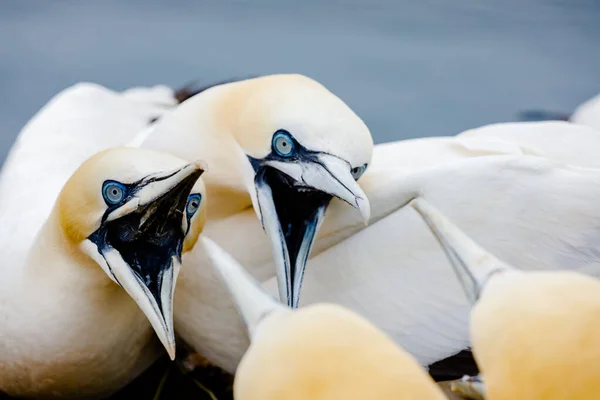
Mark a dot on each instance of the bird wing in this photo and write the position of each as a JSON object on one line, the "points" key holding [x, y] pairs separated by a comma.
{"points": [[557, 140]]}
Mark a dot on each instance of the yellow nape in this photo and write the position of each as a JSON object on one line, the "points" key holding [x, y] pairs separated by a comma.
{"points": [[326, 352], [537, 336]]}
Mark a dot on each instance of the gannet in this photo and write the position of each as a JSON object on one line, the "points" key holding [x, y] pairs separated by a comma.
{"points": [[283, 145], [80, 303], [535, 334], [353, 265], [320, 352]]}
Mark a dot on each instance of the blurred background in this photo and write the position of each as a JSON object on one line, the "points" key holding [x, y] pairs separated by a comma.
{"points": [[408, 68]]}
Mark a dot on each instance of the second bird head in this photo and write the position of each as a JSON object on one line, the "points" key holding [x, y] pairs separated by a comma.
{"points": [[134, 212]]}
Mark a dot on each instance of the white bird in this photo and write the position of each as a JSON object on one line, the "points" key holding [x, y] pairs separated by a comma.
{"points": [[79, 302], [376, 270], [535, 334], [202, 318], [282, 145], [321, 352]]}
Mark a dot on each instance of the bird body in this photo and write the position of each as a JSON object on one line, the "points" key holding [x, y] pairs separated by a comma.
{"points": [[68, 330]]}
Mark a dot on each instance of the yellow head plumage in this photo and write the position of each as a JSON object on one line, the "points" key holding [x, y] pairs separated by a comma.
{"points": [[256, 108], [274, 143], [134, 212], [535, 335], [80, 204], [326, 352], [320, 352]]}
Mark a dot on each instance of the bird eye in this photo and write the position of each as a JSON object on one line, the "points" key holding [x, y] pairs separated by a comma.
{"points": [[193, 204], [113, 192], [282, 143], [358, 171]]}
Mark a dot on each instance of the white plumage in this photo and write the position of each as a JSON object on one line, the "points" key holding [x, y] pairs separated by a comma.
{"points": [[527, 210]]}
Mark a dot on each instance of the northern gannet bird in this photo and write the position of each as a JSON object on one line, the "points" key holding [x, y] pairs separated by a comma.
{"points": [[375, 271], [282, 145], [530, 329], [321, 352], [79, 305]]}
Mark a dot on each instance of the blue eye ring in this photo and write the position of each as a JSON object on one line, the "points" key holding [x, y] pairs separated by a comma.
{"points": [[283, 144], [358, 171], [113, 192], [193, 204]]}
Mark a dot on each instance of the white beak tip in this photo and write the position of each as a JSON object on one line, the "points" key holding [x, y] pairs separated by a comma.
{"points": [[171, 351], [201, 164], [363, 206]]}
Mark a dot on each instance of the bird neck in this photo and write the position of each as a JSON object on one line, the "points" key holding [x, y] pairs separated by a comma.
{"points": [[197, 129]]}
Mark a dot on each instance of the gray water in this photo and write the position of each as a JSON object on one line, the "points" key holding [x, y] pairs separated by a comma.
{"points": [[409, 68]]}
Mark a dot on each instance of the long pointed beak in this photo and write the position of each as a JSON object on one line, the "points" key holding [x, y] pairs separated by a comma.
{"points": [[251, 300], [139, 245], [158, 307], [472, 264], [292, 198]]}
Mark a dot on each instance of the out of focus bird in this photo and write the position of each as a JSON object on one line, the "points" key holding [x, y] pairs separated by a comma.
{"points": [[320, 352], [529, 329], [587, 114]]}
